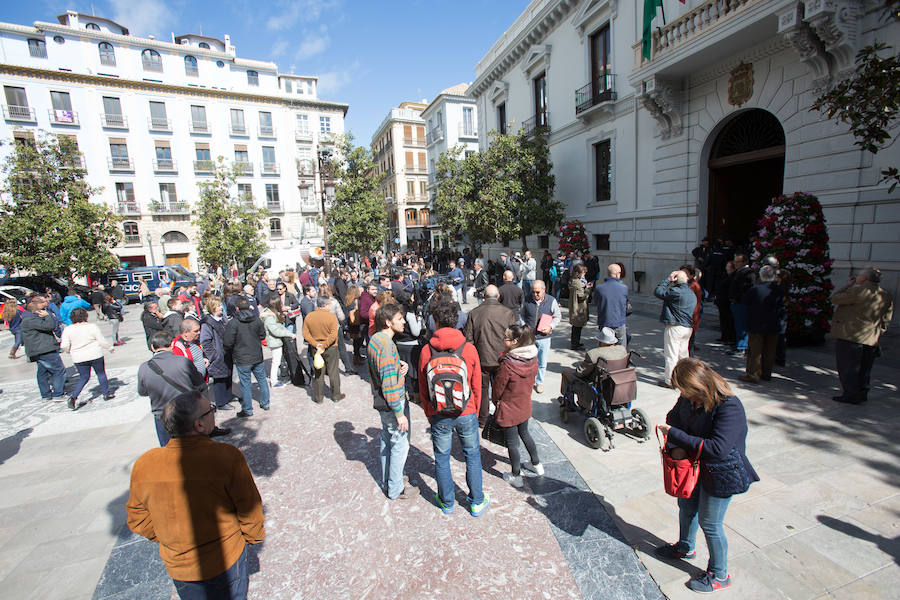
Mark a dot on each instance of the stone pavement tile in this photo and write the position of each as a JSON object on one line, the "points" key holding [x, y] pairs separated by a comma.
{"points": [[862, 482], [798, 464], [604, 568], [134, 570], [764, 521], [882, 517], [810, 499], [879, 585], [855, 547]]}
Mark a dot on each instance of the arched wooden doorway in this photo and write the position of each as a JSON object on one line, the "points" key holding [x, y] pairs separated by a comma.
{"points": [[746, 170]]}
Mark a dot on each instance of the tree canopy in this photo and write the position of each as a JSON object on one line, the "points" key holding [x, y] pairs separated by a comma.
{"points": [[48, 223], [230, 228], [503, 193], [357, 219]]}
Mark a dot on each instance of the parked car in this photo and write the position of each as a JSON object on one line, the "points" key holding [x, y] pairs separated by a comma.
{"points": [[130, 279], [14, 292], [41, 283]]}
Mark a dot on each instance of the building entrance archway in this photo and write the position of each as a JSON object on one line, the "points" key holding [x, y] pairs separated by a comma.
{"points": [[746, 170]]}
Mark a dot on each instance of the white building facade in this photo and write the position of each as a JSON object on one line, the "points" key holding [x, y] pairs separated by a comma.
{"points": [[152, 117], [654, 154], [399, 148], [451, 121]]}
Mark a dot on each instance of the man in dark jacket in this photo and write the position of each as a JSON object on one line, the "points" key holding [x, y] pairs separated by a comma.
{"points": [[165, 377], [677, 315], [611, 298], [511, 295], [741, 281], [480, 280], [42, 347], [485, 328], [172, 320], [152, 321], [243, 338], [765, 310], [537, 307]]}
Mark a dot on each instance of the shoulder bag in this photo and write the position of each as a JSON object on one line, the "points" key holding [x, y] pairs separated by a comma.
{"points": [[493, 432], [184, 390], [679, 476], [723, 478]]}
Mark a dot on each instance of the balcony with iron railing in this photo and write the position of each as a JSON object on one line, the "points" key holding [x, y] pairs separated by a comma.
{"points": [[12, 112], [243, 169], [77, 162], [266, 131], [170, 208], [305, 168], [204, 167], [303, 135], [164, 165], [128, 208], [131, 240], [120, 164], [413, 168], [466, 130], [538, 123], [270, 169], [113, 121], [274, 207], [275, 234], [191, 71], [159, 124], [417, 142], [63, 117], [238, 129], [595, 93], [200, 127], [434, 136]]}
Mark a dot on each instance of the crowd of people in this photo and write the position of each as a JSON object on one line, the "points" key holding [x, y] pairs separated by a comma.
{"points": [[401, 316]]}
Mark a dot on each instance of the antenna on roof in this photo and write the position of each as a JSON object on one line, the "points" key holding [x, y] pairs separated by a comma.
{"points": [[92, 10], [201, 30]]}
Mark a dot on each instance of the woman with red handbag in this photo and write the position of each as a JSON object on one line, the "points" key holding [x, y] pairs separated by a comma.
{"points": [[707, 413]]}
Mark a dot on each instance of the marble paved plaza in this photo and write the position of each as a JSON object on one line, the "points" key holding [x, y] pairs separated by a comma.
{"points": [[822, 523]]}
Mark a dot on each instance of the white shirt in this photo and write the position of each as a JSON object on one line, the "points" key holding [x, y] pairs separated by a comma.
{"points": [[84, 342]]}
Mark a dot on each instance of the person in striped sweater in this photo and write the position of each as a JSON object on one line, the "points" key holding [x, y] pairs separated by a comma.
{"points": [[387, 374]]}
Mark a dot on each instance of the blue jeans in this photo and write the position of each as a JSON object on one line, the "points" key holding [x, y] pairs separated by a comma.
{"points": [[161, 434], [51, 373], [740, 326], [230, 585], [707, 512], [543, 347], [466, 427], [259, 371], [394, 449], [84, 374], [527, 284]]}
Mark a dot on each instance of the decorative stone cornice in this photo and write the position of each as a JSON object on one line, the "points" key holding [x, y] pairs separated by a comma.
{"points": [[537, 57], [149, 86], [800, 35], [836, 23], [591, 9], [661, 100]]}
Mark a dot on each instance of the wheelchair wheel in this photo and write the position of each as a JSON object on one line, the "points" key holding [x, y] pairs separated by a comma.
{"points": [[595, 433], [641, 424]]}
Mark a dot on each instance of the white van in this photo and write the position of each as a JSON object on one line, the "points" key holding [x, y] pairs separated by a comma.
{"points": [[279, 259]]}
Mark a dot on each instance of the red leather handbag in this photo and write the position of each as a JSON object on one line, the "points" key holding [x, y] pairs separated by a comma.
{"points": [[679, 476]]}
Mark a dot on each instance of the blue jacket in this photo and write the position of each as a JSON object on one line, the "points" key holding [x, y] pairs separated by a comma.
{"points": [[457, 276], [610, 298], [765, 308], [679, 302], [720, 430], [532, 312], [69, 304]]}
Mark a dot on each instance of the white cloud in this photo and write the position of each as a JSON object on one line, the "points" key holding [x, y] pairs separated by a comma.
{"points": [[331, 82], [291, 12], [313, 43], [144, 17], [278, 48]]}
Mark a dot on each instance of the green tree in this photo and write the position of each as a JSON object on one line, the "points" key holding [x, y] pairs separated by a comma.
{"points": [[357, 220], [48, 223], [869, 101], [230, 227], [503, 193]]}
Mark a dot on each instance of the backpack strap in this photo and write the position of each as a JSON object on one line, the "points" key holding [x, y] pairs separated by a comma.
{"points": [[158, 370]]}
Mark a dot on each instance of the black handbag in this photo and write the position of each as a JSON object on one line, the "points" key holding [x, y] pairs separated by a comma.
{"points": [[628, 308], [724, 478], [493, 432]]}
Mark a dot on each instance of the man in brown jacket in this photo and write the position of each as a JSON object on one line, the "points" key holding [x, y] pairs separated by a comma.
{"points": [[198, 500], [320, 330], [863, 312], [485, 329]]}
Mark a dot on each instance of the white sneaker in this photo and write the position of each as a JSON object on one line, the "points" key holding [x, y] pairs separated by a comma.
{"points": [[536, 469], [513, 480]]}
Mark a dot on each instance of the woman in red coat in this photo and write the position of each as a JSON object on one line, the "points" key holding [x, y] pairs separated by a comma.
{"points": [[511, 392]]}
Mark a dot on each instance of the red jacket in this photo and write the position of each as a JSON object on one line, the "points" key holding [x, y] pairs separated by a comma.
{"points": [[447, 338], [512, 385], [180, 348]]}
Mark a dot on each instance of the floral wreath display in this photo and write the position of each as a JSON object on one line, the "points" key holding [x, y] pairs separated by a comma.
{"points": [[572, 237], [793, 230]]}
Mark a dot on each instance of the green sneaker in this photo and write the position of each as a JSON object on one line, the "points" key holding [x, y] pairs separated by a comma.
{"points": [[477, 509], [446, 509]]}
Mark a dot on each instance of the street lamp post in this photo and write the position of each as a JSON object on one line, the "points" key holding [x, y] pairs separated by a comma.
{"points": [[150, 244], [324, 156]]}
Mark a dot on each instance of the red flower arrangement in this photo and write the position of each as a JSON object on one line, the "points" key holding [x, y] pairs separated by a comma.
{"points": [[572, 237]]}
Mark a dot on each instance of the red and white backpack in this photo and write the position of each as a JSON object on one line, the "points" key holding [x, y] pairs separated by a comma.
{"points": [[448, 381]]}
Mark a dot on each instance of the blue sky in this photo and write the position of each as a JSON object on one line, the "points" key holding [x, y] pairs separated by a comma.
{"points": [[371, 54]]}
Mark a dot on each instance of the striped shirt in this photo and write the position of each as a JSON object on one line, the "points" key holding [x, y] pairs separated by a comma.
{"points": [[388, 385]]}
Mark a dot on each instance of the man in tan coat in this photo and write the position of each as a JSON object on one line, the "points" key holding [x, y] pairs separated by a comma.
{"points": [[320, 330], [863, 312]]}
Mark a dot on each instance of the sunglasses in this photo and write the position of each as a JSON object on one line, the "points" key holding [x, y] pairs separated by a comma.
{"points": [[212, 409]]}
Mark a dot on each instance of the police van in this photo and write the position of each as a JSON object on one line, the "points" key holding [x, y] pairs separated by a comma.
{"points": [[130, 279]]}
